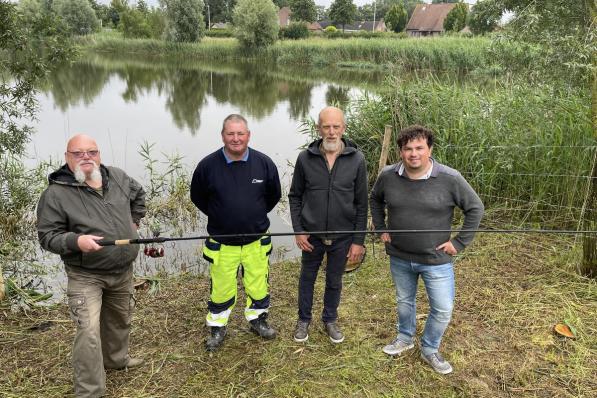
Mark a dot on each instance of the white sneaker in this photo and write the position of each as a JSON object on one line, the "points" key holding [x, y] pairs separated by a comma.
{"points": [[397, 347], [438, 363]]}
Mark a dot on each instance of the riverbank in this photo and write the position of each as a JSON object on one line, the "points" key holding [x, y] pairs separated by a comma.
{"points": [[511, 290], [437, 54]]}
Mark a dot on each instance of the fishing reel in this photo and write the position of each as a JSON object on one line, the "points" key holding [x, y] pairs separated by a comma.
{"points": [[153, 252]]}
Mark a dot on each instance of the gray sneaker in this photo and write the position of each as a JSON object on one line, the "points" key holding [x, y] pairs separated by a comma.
{"points": [[301, 333], [397, 347], [334, 332], [438, 363]]}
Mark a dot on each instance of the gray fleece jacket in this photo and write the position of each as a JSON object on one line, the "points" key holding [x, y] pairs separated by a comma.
{"points": [[324, 200], [68, 209], [424, 204]]}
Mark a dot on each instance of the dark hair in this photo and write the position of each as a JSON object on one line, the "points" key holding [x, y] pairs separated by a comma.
{"points": [[412, 133], [234, 117]]}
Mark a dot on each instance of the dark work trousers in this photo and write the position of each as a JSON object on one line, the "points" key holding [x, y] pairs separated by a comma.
{"points": [[310, 262]]}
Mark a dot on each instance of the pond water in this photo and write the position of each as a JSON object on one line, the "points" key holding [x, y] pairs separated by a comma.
{"points": [[179, 106]]}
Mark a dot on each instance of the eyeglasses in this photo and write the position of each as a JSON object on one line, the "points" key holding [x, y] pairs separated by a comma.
{"points": [[81, 154]]}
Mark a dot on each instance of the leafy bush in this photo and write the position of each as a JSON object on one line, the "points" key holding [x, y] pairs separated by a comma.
{"points": [[219, 33], [296, 30], [255, 23], [184, 20], [78, 15], [134, 24]]}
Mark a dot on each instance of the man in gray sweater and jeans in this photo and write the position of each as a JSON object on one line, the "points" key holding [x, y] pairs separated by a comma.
{"points": [[420, 193]]}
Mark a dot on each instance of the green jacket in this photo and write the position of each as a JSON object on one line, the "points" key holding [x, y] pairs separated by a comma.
{"points": [[68, 209]]}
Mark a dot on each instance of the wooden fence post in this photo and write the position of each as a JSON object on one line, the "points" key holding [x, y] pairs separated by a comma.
{"points": [[385, 148], [589, 261]]}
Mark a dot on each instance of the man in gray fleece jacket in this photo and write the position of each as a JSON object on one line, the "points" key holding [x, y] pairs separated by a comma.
{"points": [[86, 202], [420, 193]]}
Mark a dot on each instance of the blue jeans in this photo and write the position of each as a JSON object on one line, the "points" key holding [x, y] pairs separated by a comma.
{"points": [[439, 284]]}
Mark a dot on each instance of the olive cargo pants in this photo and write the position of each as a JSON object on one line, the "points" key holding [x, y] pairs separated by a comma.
{"points": [[101, 305]]}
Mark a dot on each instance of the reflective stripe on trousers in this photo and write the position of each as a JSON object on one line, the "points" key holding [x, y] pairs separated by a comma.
{"points": [[253, 261]]}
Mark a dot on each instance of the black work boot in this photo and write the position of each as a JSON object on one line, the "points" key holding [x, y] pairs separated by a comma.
{"points": [[260, 327], [216, 338]]}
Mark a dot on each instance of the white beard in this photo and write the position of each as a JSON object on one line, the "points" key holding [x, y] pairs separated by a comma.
{"points": [[95, 175], [331, 146]]}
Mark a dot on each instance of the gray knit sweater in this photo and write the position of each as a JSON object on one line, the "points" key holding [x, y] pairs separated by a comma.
{"points": [[424, 204]]}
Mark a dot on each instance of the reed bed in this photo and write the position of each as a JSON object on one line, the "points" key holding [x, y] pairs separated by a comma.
{"points": [[528, 150], [439, 54]]}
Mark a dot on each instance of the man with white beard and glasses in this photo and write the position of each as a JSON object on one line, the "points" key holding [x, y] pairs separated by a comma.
{"points": [[86, 202], [328, 193]]}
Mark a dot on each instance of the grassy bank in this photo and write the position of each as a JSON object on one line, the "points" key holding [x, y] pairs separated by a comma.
{"points": [[510, 293], [439, 54], [528, 150]]}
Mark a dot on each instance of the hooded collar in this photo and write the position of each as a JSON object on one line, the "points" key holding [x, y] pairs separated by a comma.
{"points": [[349, 147]]}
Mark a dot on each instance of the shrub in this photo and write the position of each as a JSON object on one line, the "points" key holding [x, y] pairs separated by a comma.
{"points": [[255, 23], [78, 16], [184, 20], [296, 30]]}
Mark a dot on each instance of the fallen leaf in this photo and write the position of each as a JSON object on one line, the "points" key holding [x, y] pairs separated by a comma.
{"points": [[563, 330]]}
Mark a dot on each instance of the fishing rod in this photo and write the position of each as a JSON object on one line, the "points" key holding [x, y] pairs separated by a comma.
{"points": [[163, 239]]}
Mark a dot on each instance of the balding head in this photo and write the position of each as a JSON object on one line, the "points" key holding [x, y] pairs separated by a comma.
{"points": [[331, 112], [331, 126], [83, 159]]}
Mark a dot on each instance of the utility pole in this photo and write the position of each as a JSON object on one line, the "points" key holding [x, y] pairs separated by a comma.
{"points": [[374, 12], [208, 17]]}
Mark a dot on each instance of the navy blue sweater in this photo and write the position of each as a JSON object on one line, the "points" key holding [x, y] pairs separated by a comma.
{"points": [[236, 197]]}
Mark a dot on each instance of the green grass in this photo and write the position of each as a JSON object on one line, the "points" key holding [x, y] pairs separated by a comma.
{"points": [[510, 293]]}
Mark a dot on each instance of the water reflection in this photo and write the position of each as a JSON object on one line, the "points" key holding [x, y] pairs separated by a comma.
{"points": [[254, 89]]}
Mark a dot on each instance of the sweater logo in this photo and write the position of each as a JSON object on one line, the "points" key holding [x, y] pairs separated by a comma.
{"points": [[256, 181]]}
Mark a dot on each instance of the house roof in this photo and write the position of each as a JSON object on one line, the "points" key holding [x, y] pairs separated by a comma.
{"points": [[362, 25], [429, 17]]}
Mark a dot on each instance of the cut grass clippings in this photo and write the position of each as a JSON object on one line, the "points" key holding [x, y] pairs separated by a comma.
{"points": [[510, 292]]}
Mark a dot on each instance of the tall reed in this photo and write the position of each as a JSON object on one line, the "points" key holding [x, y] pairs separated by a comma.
{"points": [[527, 150]]}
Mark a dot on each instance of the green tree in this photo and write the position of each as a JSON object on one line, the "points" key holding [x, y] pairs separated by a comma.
{"points": [[78, 15], [102, 12], [29, 49], [116, 8], [456, 19], [303, 10], [282, 3], [142, 7], [343, 12], [184, 20], [483, 18], [255, 23], [134, 24], [396, 18], [219, 10], [31, 10], [322, 13]]}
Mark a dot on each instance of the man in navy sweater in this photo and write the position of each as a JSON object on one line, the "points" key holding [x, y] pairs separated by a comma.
{"points": [[236, 186], [421, 193]]}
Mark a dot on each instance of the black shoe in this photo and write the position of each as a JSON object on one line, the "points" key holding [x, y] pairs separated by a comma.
{"points": [[216, 338], [260, 327]]}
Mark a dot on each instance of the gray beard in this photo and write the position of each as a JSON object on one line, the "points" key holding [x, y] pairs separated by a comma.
{"points": [[95, 176], [329, 146]]}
